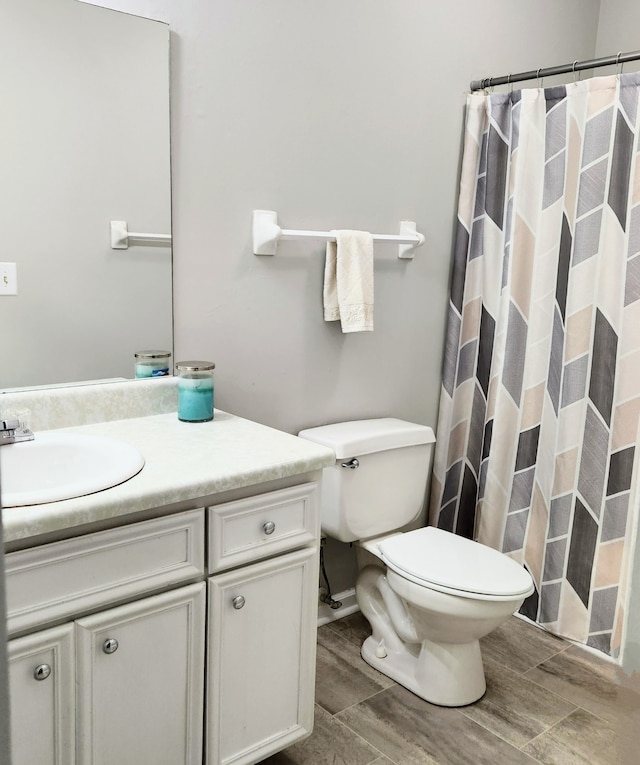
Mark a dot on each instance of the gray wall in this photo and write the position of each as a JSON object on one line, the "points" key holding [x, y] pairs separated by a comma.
{"points": [[618, 30]]}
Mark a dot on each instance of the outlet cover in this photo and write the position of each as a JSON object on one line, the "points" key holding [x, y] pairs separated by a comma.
{"points": [[8, 279]]}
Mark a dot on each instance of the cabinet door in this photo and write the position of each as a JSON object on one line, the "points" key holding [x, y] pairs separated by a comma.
{"points": [[41, 687], [262, 647], [140, 671]]}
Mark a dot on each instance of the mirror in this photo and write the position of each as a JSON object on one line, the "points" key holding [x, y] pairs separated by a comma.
{"points": [[84, 140]]}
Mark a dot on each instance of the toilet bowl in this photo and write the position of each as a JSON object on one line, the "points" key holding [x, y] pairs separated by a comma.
{"points": [[431, 595], [429, 604]]}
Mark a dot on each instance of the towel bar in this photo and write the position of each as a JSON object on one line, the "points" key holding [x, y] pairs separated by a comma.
{"points": [[120, 236], [267, 233]]}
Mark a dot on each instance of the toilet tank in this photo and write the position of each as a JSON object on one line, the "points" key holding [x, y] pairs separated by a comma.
{"points": [[387, 489]]}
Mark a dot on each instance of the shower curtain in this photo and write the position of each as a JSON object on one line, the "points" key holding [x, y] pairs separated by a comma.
{"points": [[536, 453]]}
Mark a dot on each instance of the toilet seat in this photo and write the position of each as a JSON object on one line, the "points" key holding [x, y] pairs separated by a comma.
{"points": [[452, 564]]}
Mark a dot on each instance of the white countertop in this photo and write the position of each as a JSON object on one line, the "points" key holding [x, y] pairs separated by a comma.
{"points": [[183, 461]]}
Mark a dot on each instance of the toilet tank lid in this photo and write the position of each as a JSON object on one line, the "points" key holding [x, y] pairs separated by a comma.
{"points": [[352, 439]]}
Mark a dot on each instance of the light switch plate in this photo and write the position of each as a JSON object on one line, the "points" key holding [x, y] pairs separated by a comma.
{"points": [[8, 279]]}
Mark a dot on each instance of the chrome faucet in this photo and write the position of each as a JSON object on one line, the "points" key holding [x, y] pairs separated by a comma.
{"points": [[13, 430]]}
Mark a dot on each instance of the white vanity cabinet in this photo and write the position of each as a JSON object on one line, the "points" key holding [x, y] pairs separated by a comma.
{"points": [[117, 658], [123, 684], [261, 658], [138, 676], [261, 625], [42, 682]]}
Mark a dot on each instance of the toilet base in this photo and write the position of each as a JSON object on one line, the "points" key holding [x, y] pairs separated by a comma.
{"points": [[449, 675]]}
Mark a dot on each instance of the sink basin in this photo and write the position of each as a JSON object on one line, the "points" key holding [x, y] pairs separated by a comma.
{"points": [[58, 466]]}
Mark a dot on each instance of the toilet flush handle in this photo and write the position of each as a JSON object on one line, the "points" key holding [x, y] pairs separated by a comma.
{"points": [[352, 464]]}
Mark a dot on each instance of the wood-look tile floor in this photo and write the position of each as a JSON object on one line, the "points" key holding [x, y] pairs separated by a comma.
{"points": [[547, 701]]}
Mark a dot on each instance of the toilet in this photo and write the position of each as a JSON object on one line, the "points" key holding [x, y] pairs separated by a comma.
{"points": [[430, 595]]}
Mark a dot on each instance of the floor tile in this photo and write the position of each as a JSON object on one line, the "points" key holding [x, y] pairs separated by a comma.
{"points": [[547, 701], [410, 731], [580, 739], [343, 677], [514, 708], [520, 646], [588, 682], [627, 725], [331, 743], [354, 628]]}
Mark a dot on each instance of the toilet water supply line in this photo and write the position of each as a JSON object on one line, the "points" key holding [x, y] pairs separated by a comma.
{"points": [[325, 596]]}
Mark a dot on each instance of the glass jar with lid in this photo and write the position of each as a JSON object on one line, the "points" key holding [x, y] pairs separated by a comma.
{"points": [[195, 390], [152, 363]]}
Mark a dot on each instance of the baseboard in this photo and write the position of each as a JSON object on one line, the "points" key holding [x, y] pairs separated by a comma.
{"points": [[349, 606]]}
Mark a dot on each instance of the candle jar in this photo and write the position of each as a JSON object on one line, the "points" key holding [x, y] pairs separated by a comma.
{"points": [[195, 390], [152, 363]]}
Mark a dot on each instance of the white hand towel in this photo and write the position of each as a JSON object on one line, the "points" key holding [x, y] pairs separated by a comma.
{"points": [[348, 281]]}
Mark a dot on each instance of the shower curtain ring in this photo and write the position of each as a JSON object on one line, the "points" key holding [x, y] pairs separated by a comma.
{"points": [[573, 69], [509, 83], [539, 78], [619, 65]]}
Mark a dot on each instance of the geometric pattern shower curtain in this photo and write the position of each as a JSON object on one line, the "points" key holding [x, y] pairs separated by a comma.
{"points": [[538, 425]]}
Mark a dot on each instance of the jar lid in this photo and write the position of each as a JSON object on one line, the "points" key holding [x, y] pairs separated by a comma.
{"points": [[152, 354], [195, 366]]}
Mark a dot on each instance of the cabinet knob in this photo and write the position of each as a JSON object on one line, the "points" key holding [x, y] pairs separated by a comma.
{"points": [[110, 645], [238, 602], [42, 672], [269, 527]]}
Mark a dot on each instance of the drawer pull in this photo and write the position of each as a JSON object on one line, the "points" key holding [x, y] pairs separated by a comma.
{"points": [[269, 527], [110, 645], [42, 672], [238, 602]]}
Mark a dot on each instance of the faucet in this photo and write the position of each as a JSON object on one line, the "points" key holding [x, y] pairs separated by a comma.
{"points": [[13, 429]]}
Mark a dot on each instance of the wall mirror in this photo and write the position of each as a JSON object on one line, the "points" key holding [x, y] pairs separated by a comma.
{"points": [[84, 140]]}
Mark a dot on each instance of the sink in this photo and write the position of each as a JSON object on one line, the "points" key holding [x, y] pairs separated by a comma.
{"points": [[57, 466]]}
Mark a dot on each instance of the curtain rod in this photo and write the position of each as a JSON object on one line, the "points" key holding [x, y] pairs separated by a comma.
{"points": [[576, 66]]}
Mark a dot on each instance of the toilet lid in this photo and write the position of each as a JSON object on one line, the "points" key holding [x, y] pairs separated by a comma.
{"points": [[439, 557]]}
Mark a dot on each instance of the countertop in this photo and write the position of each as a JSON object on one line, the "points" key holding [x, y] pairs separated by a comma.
{"points": [[183, 462]]}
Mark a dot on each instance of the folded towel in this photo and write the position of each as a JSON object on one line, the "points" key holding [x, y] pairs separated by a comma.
{"points": [[348, 281]]}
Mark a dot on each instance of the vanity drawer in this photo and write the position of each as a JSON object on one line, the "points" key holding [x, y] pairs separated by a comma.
{"points": [[257, 527], [66, 578]]}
